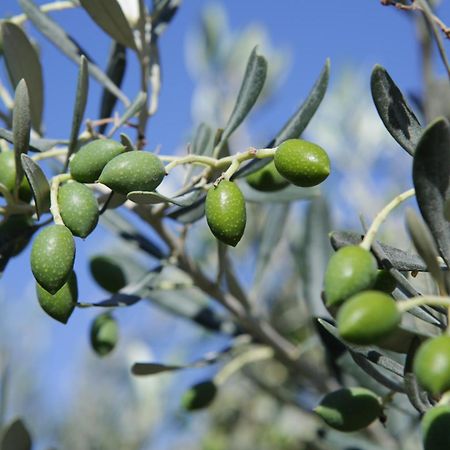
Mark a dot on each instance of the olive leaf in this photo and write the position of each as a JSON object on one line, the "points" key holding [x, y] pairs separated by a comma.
{"points": [[141, 369], [152, 198], [108, 15], [36, 144], [38, 183], [79, 107], [22, 62], [189, 214], [56, 34], [16, 437], [202, 144], [127, 142], [288, 194], [162, 13], [431, 178], [397, 116]]}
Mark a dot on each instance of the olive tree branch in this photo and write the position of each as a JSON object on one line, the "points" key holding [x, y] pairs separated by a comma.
{"points": [[45, 8]]}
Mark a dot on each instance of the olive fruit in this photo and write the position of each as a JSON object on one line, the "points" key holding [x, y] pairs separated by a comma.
{"points": [[15, 233], [8, 176], [78, 207], [133, 171], [349, 409], [368, 317], [87, 164], [267, 179], [384, 281], [104, 334], [199, 396], [302, 163], [107, 273], [61, 304], [435, 428], [432, 364], [225, 212], [350, 270], [52, 257]]}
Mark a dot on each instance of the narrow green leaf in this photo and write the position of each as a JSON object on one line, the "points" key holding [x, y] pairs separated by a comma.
{"points": [[189, 214], [21, 127], [108, 15], [80, 105], [16, 437], [36, 144], [136, 106], [67, 45], [152, 198], [251, 87], [397, 116], [202, 144], [141, 369], [22, 62], [288, 194], [431, 177], [38, 183], [127, 142]]}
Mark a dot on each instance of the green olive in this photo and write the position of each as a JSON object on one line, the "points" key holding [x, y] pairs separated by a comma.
{"points": [[432, 364], [368, 317], [61, 304], [133, 171], [78, 207], [8, 176], [267, 179], [350, 270], [87, 164], [349, 409], [52, 257], [199, 396], [435, 428], [15, 231], [302, 163], [225, 212], [107, 273], [384, 281], [104, 334]]}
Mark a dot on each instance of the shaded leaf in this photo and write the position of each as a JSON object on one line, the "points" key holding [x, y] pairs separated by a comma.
{"points": [[127, 142], [431, 177], [152, 198], [395, 113], [288, 194], [189, 214], [152, 368], [22, 62], [16, 437], [202, 144], [36, 144], [136, 106], [163, 12], [38, 183]]}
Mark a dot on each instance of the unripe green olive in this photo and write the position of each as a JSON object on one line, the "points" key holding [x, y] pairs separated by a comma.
{"points": [[435, 428], [78, 207], [302, 163], [88, 163], [384, 281], [267, 179], [107, 273], [350, 270], [199, 396], [432, 364], [104, 334], [349, 409], [61, 304], [368, 317], [8, 176], [52, 257], [225, 212], [133, 171], [15, 230]]}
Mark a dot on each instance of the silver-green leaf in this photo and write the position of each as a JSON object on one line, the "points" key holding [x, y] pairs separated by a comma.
{"points": [[38, 183]]}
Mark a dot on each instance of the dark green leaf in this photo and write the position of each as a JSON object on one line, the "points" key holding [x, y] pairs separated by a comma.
{"points": [[152, 368], [22, 62], [67, 45], [117, 64], [36, 144], [136, 106], [39, 184], [189, 214], [127, 142], [289, 194], [395, 113], [431, 177], [162, 13], [152, 198], [108, 15], [16, 437]]}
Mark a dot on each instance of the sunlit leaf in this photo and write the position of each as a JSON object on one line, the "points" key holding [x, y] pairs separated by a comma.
{"points": [[36, 144], [136, 106]]}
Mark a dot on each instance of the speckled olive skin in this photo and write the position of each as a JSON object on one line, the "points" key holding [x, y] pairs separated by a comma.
{"points": [[267, 179], [432, 364], [350, 270], [435, 428], [349, 409], [199, 396], [107, 273], [78, 207], [302, 163], [8, 176], [104, 334], [52, 257], [225, 212], [61, 304], [88, 163], [368, 317], [133, 171]]}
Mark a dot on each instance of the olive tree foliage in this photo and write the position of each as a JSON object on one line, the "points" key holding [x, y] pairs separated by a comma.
{"points": [[352, 340]]}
